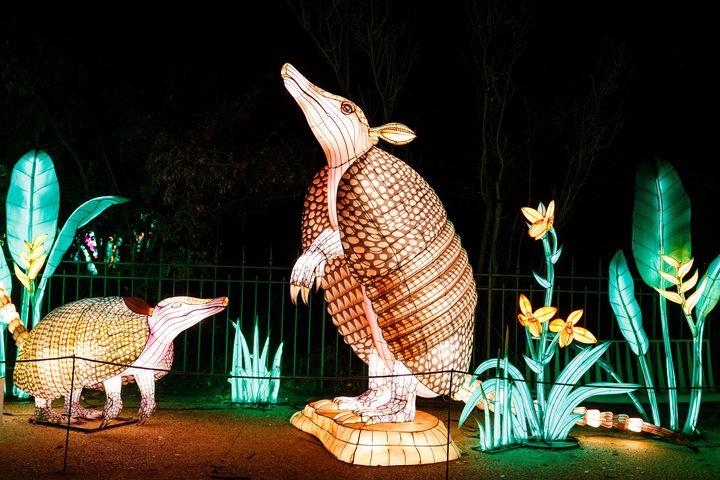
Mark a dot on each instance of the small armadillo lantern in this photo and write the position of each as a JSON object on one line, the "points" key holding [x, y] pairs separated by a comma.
{"points": [[100, 341], [376, 238]]}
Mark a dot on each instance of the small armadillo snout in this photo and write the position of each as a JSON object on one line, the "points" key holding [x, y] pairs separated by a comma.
{"points": [[225, 301]]}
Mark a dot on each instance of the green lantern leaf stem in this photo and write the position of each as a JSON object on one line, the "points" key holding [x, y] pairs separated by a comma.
{"points": [[706, 303], [669, 364], [696, 385], [647, 376], [551, 253]]}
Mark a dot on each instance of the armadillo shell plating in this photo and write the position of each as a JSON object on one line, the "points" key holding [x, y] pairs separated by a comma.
{"points": [[387, 213], [101, 329], [400, 246], [315, 217], [418, 268], [404, 301], [432, 315]]}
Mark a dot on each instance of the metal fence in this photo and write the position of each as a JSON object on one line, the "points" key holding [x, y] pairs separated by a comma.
{"points": [[313, 348]]}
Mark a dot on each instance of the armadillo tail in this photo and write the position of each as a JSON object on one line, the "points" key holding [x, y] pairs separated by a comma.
{"points": [[9, 316], [594, 418]]}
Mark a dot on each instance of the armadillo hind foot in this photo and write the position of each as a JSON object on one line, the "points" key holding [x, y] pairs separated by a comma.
{"points": [[113, 407], [373, 397], [74, 410], [398, 410], [390, 398], [45, 413], [148, 406], [379, 387]]}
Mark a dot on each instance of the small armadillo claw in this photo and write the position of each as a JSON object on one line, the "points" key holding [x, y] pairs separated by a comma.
{"points": [[294, 290], [305, 294]]}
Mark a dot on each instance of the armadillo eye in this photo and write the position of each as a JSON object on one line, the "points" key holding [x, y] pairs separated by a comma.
{"points": [[176, 305], [347, 108]]}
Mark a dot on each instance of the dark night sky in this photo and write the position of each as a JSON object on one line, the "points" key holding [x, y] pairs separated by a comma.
{"points": [[669, 100]]}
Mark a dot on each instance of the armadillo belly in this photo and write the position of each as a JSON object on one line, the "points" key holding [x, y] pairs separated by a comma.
{"points": [[399, 244], [342, 293], [102, 333]]}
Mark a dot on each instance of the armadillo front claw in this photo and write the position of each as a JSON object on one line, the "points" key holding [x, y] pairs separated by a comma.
{"points": [[298, 289], [305, 294], [310, 266]]}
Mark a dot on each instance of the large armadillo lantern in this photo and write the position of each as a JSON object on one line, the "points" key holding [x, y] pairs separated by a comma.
{"points": [[99, 341], [376, 239]]}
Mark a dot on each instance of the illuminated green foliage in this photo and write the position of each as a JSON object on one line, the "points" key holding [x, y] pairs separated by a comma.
{"points": [[661, 246], [517, 417], [251, 381]]}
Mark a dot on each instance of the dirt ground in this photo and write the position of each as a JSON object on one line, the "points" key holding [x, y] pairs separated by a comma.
{"points": [[205, 437]]}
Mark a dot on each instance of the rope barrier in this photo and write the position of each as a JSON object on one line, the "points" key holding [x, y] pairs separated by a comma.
{"points": [[344, 378], [452, 374]]}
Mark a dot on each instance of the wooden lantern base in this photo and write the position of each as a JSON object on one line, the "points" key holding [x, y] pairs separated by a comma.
{"points": [[422, 441]]}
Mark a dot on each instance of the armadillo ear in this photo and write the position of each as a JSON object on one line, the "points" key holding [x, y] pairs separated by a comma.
{"points": [[395, 133], [138, 305]]}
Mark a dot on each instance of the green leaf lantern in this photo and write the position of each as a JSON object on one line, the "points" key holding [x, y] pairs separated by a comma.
{"points": [[711, 292], [661, 221], [5, 277], [625, 306], [33, 202]]}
